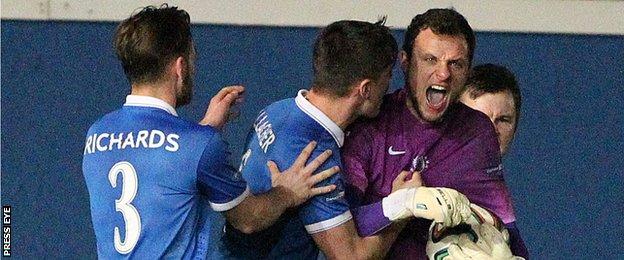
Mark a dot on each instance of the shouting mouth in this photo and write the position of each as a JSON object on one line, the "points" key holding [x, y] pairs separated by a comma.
{"points": [[437, 97]]}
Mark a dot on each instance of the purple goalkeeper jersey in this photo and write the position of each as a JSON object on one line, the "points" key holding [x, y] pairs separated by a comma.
{"points": [[459, 152]]}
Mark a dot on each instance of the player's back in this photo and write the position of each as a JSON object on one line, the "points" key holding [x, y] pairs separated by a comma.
{"points": [[140, 166], [280, 132]]}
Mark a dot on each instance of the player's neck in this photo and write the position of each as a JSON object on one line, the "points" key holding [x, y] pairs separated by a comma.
{"points": [[410, 107], [161, 91], [337, 109]]}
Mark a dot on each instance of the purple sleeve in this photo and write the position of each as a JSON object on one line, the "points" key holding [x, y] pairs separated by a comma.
{"points": [[484, 184], [482, 179], [369, 219], [356, 156], [516, 243]]}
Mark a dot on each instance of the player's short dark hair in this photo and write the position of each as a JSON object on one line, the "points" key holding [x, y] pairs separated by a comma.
{"points": [[492, 78], [348, 51], [441, 22], [147, 41]]}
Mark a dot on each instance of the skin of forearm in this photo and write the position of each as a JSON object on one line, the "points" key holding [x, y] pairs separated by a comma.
{"points": [[258, 212], [348, 245], [376, 247]]}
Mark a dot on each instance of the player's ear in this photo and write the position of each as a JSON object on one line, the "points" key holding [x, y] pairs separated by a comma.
{"points": [[364, 88], [404, 60], [178, 68]]}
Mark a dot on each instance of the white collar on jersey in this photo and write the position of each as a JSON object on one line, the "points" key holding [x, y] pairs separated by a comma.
{"points": [[146, 101], [319, 117]]}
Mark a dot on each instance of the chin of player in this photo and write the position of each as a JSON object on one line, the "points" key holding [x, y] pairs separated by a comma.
{"points": [[432, 114]]}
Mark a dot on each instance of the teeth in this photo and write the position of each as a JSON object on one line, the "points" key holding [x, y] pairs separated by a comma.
{"points": [[436, 87]]}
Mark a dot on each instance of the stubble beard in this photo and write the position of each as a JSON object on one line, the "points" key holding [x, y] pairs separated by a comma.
{"points": [[412, 98], [186, 94]]}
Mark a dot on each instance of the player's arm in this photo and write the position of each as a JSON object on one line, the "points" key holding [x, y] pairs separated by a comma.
{"points": [[218, 112], [492, 182], [356, 158], [343, 242], [368, 246], [290, 188], [439, 204], [367, 219]]}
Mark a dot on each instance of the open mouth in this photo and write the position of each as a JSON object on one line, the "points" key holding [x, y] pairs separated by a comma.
{"points": [[436, 96]]}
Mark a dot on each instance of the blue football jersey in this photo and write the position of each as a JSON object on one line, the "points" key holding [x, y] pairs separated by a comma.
{"points": [[147, 172], [279, 133]]}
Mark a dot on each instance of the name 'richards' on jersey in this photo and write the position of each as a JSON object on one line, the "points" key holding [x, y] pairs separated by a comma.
{"points": [[101, 142]]}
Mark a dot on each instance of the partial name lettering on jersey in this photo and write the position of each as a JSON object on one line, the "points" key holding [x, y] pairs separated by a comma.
{"points": [[102, 142], [264, 131]]}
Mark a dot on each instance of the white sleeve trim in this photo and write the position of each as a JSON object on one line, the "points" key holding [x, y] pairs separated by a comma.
{"points": [[232, 203], [330, 223]]}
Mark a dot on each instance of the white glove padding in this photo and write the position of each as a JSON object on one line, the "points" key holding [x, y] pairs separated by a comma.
{"points": [[490, 245], [442, 205]]}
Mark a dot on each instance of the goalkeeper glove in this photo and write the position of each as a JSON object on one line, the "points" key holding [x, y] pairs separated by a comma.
{"points": [[490, 245], [442, 205]]}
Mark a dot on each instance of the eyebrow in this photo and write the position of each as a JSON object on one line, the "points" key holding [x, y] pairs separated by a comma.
{"points": [[424, 54]]}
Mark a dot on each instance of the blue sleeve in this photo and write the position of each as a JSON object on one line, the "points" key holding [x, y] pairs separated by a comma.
{"points": [[326, 211], [516, 243], [218, 179]]}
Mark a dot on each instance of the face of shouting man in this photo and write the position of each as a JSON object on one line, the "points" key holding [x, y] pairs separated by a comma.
{"points": [[435, 73]]}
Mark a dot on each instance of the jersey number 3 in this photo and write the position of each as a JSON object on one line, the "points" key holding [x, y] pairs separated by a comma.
{"points": [[130, 214]]}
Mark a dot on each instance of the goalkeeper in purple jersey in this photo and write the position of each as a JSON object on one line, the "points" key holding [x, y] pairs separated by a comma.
{"points": [[352, 67], [423, 128]]}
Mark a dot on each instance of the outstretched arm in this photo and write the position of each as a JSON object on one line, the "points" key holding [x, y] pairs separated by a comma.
{"points": [[369, 219], [442, 205], [343, 242]]}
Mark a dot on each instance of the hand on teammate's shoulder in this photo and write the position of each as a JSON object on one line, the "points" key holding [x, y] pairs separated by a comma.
{"points": [[299, 180]]}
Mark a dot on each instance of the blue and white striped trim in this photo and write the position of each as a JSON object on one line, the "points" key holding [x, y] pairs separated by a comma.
{"points": [[319, 117], [232, 203], [146, 101], [330, 223]]}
